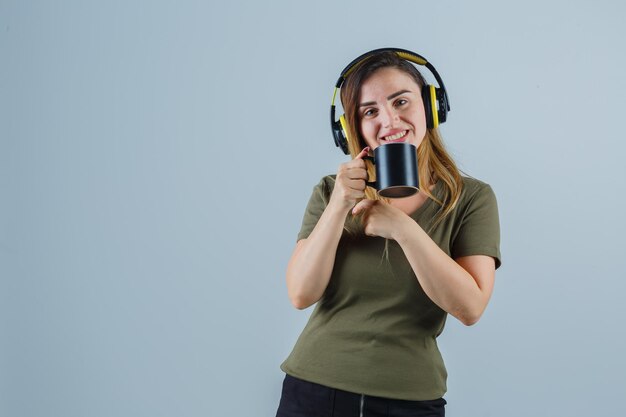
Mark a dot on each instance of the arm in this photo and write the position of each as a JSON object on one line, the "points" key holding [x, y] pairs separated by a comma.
{"points": [[461, 287], [311, 264]]}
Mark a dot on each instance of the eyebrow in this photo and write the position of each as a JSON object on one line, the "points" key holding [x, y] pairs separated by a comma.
{"points": [[391, 97]]}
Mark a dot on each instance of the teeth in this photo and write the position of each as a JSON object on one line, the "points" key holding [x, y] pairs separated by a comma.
{"points": [[396, 136]]}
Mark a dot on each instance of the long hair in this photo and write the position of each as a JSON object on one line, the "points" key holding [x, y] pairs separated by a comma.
{"points": [[434, 162]]}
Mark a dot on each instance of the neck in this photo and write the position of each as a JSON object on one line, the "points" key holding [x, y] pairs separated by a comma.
{"points": [[410, 204]]}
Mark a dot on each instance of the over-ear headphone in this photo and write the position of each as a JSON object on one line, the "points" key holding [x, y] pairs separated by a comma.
{"points": [[436, 102]]}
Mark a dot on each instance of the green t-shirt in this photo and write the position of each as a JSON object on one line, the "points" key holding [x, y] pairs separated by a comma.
{"points": [[374, 330]]}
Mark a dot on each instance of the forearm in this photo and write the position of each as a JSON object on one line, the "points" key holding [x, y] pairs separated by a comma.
{"points": [[445, 282], [311, 264]]}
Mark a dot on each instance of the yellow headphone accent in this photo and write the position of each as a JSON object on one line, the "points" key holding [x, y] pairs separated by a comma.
{"points": [[433, 105], [344, 124], [412, 57]]}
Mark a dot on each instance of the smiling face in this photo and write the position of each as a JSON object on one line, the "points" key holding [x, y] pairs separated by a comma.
{"points": [[391, 109]]}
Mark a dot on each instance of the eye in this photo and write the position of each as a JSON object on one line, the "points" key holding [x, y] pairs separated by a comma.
{"points": [[369, 112], [400, 102]]}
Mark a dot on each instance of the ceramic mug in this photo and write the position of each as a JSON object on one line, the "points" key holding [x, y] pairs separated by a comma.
{"points": [[396, 170]]}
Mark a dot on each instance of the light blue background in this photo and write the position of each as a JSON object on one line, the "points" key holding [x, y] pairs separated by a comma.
{"points": [[156, 158]]}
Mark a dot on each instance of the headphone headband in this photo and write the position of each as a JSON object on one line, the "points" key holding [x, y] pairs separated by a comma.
{"points": [[402, 53]]}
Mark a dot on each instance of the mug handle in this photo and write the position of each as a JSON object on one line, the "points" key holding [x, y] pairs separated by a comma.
{"points": [[370, 183]]}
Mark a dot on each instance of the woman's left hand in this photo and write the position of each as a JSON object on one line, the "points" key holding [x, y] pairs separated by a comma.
{"points": [[380, 218]]}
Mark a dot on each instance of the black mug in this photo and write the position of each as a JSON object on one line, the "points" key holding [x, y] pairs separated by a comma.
{"points": [[396, 170]]}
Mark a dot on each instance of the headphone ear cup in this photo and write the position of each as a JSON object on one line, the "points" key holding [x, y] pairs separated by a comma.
{"points": [[442, 101], [340, 129], [428, 107]]}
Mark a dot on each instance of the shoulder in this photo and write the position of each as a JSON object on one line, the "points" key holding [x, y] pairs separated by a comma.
{"points": [[475, 192], [322, 191], [326, 184], [328, 179], [477, 219], [473, 187]]}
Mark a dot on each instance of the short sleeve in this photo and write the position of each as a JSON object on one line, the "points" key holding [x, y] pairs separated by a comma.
{"points": [[479, 229], [316, 206]]}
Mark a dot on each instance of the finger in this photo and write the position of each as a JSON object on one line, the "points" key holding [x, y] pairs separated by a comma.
{"points": [[356, 163], [362, 206], [357, 173], [357, 184], [363, 153]]}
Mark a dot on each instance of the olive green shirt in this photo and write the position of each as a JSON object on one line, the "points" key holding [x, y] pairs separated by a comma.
{"points": [[374, 330]]}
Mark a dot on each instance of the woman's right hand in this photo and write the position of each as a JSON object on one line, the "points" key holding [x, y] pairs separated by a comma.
{"points": [[350, 182], [312, 261]]}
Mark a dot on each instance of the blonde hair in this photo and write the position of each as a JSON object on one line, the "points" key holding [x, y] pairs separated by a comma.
{"points": [[434, 162]]}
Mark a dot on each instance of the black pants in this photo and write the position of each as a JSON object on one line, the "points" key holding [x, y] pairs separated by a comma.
{"points": [[306, 399]]}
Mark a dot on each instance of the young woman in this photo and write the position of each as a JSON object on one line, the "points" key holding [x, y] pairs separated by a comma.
{"points": [[386, 273]]}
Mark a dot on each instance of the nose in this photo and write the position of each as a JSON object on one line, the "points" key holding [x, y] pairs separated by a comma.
{"points": [[388, 116]]}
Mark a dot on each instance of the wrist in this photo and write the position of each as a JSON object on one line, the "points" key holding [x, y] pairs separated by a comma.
{"points": [[405, 227], [339, 208]]}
